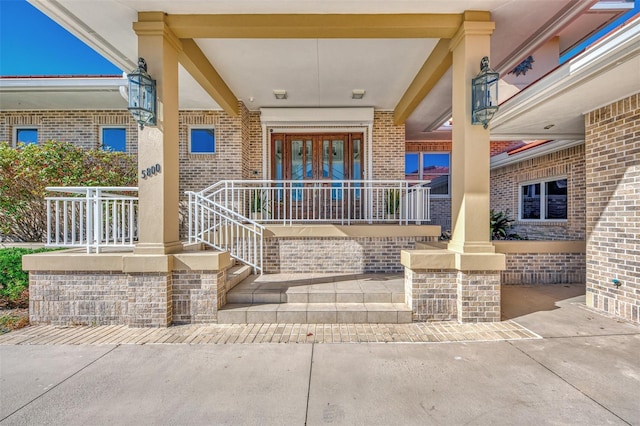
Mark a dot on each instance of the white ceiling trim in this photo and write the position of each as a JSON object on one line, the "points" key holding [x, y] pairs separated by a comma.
{"points": [[610, 53], [65, 84], [316, 116]]}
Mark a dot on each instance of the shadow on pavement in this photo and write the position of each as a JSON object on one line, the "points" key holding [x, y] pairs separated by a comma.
{"points": [[519, 300]]}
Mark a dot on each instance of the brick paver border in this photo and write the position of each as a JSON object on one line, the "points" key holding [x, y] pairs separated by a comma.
{"points": [[269, 333]]}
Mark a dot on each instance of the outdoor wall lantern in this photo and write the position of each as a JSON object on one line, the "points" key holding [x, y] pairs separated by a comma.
{"points": [[142, 95], [484, 91]]}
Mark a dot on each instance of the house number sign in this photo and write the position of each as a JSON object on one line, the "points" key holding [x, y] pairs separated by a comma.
{"points": [[150, 171]]}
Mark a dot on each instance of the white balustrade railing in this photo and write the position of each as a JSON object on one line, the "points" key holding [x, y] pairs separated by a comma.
{"points": [[224, 229], [92, 217], [229, 215], [343, 202]]}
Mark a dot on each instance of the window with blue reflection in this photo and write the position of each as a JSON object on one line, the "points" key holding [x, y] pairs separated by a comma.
{"points": [[433, 166], [203, 141], [114, 139], [26, 136]]}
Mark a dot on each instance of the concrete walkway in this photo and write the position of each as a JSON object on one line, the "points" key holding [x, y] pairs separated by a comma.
{"points": [[584, 370]]}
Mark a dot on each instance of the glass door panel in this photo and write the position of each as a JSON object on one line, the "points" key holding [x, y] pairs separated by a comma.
{"points": [[337, 160], [297, 160]]}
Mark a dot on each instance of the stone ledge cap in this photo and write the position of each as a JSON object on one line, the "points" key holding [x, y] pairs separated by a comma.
{"points": [[446, 259], [202, 261], [428, 259], [147, 263], [70, 261]]}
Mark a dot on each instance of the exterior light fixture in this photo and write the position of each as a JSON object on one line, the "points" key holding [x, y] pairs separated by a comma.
{"points": [[280, 94], [142, 95], [357, 93], [484, 94]]}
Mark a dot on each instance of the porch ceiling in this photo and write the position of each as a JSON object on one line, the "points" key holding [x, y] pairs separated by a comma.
{"points": [[320, 50]]}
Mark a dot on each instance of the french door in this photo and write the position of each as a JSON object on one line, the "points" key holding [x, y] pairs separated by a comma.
{"points": [[316, 166], [315, 157]]}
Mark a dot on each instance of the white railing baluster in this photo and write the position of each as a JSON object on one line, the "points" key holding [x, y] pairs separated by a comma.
{"points": [[91, 217]]}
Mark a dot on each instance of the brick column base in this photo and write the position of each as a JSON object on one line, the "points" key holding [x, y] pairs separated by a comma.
{"points": [[478, 296], [149, 296], [211, 296], [431, 294], [450, 295]]}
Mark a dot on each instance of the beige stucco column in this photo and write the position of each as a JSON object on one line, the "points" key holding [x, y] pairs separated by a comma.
{"points": [[470, 148], [462, 282], [158, 145]]}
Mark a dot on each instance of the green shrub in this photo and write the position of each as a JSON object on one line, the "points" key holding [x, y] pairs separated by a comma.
{"points": [[500, 222], [14, 282], [25, 172]]}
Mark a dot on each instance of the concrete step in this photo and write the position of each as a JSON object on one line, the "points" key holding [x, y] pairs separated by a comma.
{"points": [[236, 274], [315, 313], [301, 288]]}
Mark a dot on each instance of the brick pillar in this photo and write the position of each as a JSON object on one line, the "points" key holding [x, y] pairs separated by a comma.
{"points": [[478, 296], [209, 298], [431, 294], [149, 296]]}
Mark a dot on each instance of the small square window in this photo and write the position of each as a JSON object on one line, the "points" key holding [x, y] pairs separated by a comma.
{"points": [[202, 140], [114, 139], [26, 135]]}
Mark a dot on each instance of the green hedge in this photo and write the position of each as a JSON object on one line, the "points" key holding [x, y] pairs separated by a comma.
{"points": [[26, 171], [14, 282]]}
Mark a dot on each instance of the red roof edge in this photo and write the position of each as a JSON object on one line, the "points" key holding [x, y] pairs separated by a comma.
{"points": [[527, 146]]}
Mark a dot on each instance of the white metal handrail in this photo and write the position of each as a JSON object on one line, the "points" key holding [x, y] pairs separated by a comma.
{"points": [[92, 217], [325, 201], [221, 228]]}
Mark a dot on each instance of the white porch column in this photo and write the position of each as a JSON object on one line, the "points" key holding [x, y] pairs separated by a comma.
{"points": [[470, 147], [158, 194]]}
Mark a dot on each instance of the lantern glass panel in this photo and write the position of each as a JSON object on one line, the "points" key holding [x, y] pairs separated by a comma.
{"points": [[142, 97]]}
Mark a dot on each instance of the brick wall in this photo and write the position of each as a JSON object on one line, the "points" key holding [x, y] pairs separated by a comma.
{"points": [[441, 213], [327, 254], [198, 171], [498, 147], [612, 140], [544, 268], [78, 298], [388, 147], [254, 147], [80, 127], [505, 183], [115, 298]]}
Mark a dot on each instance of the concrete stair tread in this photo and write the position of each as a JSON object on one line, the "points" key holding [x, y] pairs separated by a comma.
{"points": [[301, 288], [329, 313], [236, 274]]}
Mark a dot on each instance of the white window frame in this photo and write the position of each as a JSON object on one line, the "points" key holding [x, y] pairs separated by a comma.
{"points": [[215, 138], [543, 196], [17, 128], [114, 127], [421, 170]]}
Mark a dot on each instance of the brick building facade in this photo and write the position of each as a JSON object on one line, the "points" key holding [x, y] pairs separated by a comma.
{"points": [[612, 142], [567, 163]]}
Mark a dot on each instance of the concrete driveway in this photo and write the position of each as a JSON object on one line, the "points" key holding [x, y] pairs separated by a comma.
{"points": [[585, 370]]}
